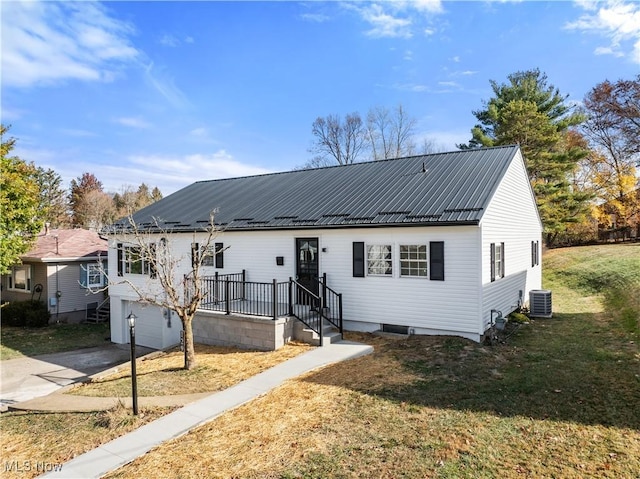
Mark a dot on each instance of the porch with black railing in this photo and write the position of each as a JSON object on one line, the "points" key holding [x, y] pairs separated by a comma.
{"points": [[233, 294]]}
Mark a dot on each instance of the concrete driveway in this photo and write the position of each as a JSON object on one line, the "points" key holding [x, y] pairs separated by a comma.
{"points": [[22, 379]]}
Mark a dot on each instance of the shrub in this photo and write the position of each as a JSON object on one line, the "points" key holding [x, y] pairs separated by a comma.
{"points": [[518, 317], [30, 314]]}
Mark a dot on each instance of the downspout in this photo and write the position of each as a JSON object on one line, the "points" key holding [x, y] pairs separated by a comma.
{"points": [[57, 296]]}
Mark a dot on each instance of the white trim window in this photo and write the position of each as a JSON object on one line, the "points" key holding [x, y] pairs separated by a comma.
{"points": [[94, 276], [20, 278], [413, 260], [497, 261], [135, 262], [379, 260]]}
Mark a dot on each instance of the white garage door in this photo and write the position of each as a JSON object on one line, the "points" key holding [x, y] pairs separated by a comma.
{"points": [[149, 325]]}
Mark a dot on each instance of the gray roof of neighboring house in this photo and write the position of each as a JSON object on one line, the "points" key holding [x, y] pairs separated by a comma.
{"points": [[436, 189]]}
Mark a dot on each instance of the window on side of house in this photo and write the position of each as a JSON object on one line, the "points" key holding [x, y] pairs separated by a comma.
{"points": [[413, 260], [94, 276], [497, 261], [208, 256], [20, 278], [135, 261], [379, 260]]}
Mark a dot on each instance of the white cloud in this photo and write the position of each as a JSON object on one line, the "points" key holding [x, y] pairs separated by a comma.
{"points": [[172, 41], [169, 41], [199, 132], [173, 172], [49, 42], [616, 20], [384, 24], [314, 17], [133, 122], [164, 84], [396, 19]]}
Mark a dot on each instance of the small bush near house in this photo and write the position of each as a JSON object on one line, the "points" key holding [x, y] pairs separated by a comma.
{"points": [[30, 314], [518, 318]]}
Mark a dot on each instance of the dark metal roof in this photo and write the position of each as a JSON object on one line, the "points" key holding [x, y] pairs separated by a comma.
{"points": [[436, 189]]}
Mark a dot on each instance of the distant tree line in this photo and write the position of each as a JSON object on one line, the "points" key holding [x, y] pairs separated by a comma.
{"points": [[32, 196], [581, 160]]}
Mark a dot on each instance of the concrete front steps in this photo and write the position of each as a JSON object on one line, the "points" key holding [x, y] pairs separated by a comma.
{"points": [[330, 334]]}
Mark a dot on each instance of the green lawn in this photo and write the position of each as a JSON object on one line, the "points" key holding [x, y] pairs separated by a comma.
{"points": [[16, 342]]}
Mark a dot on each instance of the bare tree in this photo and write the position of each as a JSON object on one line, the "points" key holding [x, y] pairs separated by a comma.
{"points": [[390, 133], [430, 146], [152, 250], [337, 141]]}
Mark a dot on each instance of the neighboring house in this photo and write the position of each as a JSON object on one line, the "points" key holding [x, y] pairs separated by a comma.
{"points": [[58, 270], [431, 244]]}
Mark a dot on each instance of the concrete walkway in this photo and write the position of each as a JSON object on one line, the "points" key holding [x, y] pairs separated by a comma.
{"points": [[22, 379], [125, 449]]}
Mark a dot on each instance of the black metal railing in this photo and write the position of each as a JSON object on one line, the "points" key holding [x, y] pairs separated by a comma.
{"points": [[332, 304], [306, 307], [215, 287], [232, 293]]}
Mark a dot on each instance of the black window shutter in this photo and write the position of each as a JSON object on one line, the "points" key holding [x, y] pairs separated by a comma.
{"points": [[534, 251], [436, 260], [219, 255], [502, 258], [358, 259], [152, 261], [195, 248], [493, 261], [120, 252]]}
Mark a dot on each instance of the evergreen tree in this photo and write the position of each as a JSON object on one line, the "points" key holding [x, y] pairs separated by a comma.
{"points": [[530, 112]]}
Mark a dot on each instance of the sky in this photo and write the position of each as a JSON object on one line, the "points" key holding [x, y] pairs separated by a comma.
{"points": [[168, 93]]}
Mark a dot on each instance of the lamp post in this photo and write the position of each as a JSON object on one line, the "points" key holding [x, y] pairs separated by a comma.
{"points": [[134, 387]]}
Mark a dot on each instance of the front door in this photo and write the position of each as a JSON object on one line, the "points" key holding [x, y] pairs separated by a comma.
{"points": [[307, 263]]}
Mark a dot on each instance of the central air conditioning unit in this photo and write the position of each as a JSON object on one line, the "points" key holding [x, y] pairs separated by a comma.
{"points": [[540, 303]]}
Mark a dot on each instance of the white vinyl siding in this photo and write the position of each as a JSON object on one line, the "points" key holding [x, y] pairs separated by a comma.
{"points": [[512, 219], [449, 306], [66, 278]]}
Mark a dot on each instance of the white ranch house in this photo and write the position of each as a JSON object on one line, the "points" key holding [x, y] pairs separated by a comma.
{"points": [[430, 244]]}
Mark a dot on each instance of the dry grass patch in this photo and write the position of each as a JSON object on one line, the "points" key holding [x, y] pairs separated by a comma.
{"points": [[384, 416], [217, 368], [30, 439], [558, 400]]}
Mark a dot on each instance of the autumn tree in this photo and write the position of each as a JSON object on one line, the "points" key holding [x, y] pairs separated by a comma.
{"points": [[527, 110], [613, 131], [130, 201], [19, 203], [175, 280], [90, 206]]}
